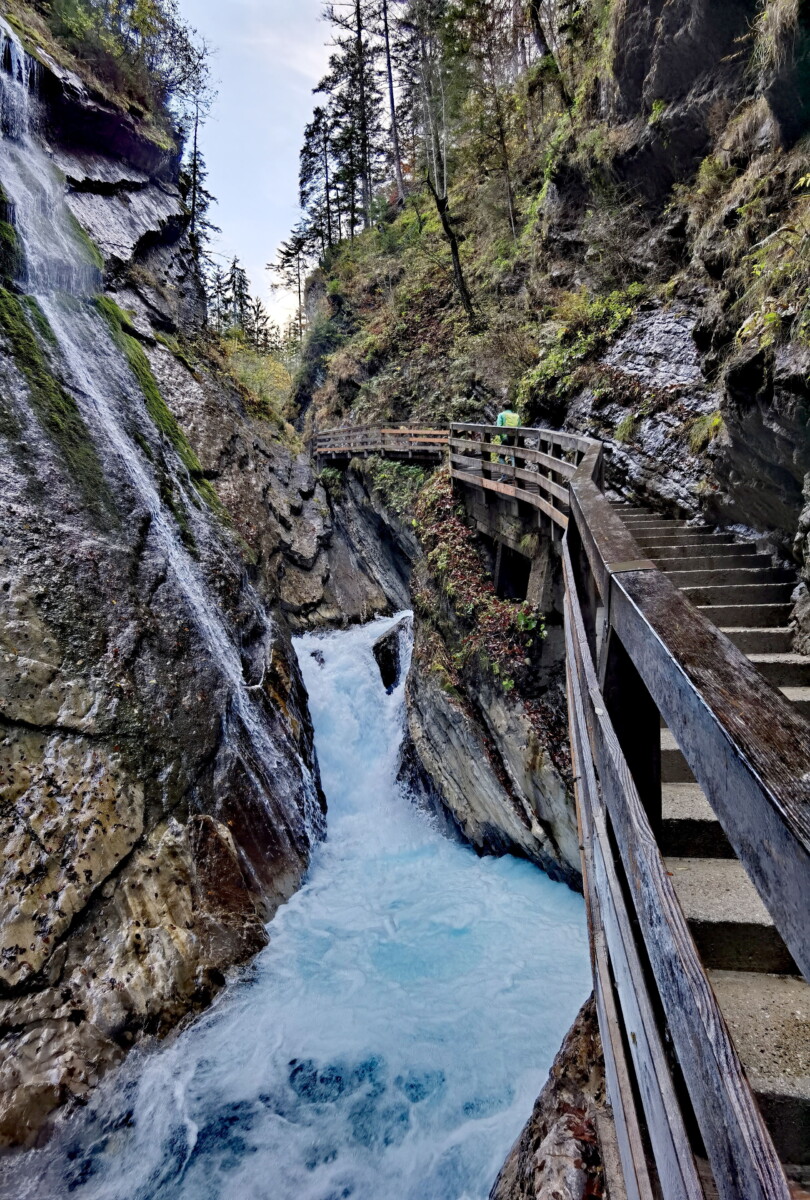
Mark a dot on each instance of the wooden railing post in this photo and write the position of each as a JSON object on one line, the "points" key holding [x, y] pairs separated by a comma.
{"points": [[636, 722]]}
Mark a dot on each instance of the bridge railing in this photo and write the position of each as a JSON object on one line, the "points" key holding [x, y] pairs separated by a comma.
{"points": [[534, 463], [401, 441], [637, 652]]}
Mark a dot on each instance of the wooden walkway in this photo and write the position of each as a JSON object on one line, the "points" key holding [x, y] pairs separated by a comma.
{"points": [[691, 750], [402, 442]]}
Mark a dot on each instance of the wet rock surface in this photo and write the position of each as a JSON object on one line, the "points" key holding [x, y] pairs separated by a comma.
{"points": [[559, 1155], [388, 653], [159, 793], [649, 396], [490, 768]]}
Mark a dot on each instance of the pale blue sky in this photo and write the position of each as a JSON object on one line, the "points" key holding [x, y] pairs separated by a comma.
{"points": [[269, 55]]}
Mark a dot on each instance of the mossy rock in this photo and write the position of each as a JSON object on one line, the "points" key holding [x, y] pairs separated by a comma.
{"points": [[12, 257], [125, 337], [21, 320]]}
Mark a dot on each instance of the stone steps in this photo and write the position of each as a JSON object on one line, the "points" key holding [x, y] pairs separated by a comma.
{"points": [[800, 696], [759, 616], [783, 670], [769, 1020], [715, 550], [689, 826], [753, 640], [685, 577], [739, 593], [664, 540], [765, 1003], [732, 928], [702, 562]]}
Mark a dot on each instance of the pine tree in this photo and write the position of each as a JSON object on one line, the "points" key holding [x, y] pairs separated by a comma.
{"points": [[291, 266], [196, 196], [238, 295], [257, 325]]}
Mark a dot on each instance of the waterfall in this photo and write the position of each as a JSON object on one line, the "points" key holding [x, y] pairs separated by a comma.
{"points": [[59, 274], [391, 1039]]}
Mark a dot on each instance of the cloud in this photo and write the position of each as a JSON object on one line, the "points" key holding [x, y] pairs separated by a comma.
{"points": [[291, 51]]}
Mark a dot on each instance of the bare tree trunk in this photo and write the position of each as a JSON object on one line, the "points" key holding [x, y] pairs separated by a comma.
{"points": [[443, 209], [325, 153], [365, 168], [392, 106]]}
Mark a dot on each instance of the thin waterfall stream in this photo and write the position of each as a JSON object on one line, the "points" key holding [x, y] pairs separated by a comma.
{"points": [[390, 1040]]}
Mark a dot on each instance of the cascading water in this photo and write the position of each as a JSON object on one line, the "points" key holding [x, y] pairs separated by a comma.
{"points": [[59, 274], [390, 1040]]}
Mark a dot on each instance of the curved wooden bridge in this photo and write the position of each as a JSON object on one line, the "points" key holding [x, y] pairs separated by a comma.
{"points": [[691, 749]]}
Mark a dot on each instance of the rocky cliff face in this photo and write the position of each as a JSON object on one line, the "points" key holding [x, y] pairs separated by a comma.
{"points": [[160, 794]]}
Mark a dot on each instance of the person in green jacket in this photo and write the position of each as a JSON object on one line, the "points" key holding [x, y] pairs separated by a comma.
{"points": [[509, 419]]}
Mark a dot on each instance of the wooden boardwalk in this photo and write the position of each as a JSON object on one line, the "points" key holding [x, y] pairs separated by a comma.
{"points": [[691, 749]]}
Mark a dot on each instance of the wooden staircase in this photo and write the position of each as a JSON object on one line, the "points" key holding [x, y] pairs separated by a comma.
{"points": [[761, 993]]}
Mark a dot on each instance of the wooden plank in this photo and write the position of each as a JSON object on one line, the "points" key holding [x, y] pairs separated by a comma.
{"points": [[631, 1146], [673, 1155], [557, 465], [468, 464], [748, 748], [513, 493], [540, 481], [567, 441], [607, 541], [743, 1159]]}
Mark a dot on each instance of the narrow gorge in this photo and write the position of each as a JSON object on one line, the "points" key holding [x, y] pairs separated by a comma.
{"points": [[291, 899]]}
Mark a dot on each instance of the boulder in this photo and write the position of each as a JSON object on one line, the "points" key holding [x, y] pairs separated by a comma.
{"points": [[389, 653]]}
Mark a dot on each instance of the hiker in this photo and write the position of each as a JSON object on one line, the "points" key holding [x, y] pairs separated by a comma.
{"points": [[507, 418]]}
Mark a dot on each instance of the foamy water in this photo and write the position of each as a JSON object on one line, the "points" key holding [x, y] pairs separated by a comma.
{"points": [[390, 1041]]}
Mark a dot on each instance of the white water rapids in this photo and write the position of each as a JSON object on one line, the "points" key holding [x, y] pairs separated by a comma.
{"points": [[390, 1041]]}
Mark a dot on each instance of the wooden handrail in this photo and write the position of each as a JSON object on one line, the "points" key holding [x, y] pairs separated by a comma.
{"points": [[409, 440]]}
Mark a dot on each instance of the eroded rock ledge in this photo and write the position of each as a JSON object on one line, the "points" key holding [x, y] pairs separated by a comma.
{"points": [[569, 1139]]}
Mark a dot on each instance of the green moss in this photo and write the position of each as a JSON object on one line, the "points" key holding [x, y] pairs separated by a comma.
{"points": [[659, 107], [12, 258], [39, 320], [92, 252], [55, 408], [586, 325], [704, 430], [124, 333], [398, 483], [172, 345], [626, 428], [332, 480]]}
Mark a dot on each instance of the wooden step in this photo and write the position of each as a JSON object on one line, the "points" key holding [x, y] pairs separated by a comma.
{"points": [[738, 593], [732, 928], [769, 1020], [759, 616], [689, 827], [784, 669], [749, 639]]}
